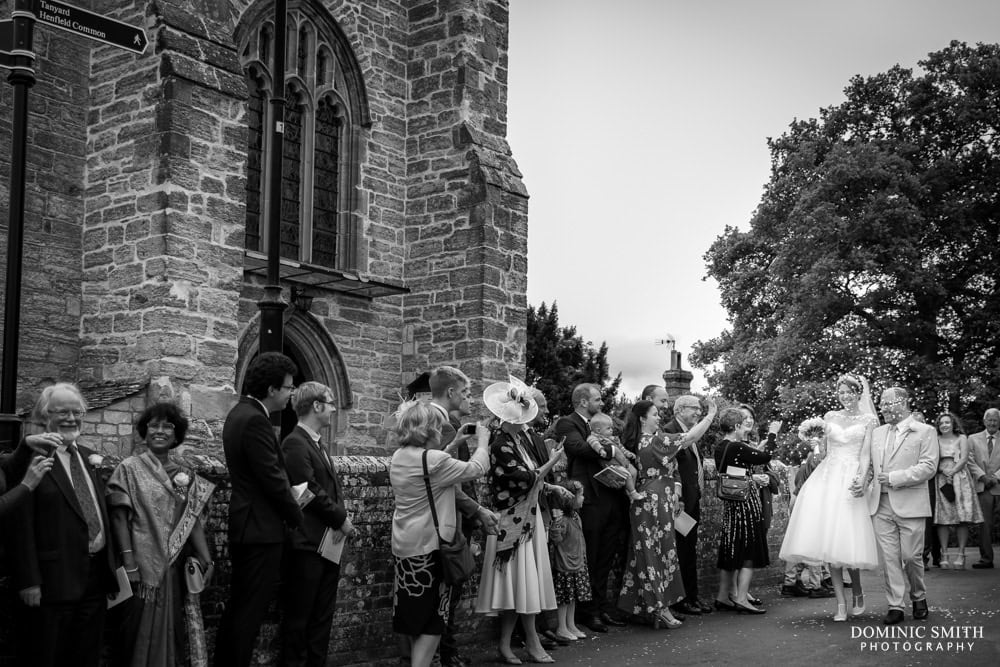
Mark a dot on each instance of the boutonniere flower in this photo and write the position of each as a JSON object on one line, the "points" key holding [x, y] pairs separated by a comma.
{"points": [[181, 480], [95, 460]]}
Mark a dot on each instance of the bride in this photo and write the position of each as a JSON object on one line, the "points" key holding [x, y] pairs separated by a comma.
{"points": [[829, 524]]}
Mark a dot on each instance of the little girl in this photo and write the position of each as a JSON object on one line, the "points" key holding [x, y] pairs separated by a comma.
{"points": [[569, 560]]}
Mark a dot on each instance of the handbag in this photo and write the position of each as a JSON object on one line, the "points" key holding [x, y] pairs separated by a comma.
{"points": [[948, 491], [457, 562], [194, 576], [732, 487]]}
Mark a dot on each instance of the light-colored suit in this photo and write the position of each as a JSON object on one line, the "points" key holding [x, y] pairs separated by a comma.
{"points": [[982, 466], [909, 454]]}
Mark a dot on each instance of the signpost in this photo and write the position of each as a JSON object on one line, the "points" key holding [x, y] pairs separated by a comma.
{"points": [[94, 26], [17, 55]]}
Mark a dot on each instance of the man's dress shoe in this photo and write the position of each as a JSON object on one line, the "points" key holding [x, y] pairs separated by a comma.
{"points": [[893, 617], [920, 609], [982, 565], [595, 624], [687, 608], [608, 619]]}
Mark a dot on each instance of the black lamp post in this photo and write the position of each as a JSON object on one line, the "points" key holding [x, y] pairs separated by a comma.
{"points": [[22, 78]]}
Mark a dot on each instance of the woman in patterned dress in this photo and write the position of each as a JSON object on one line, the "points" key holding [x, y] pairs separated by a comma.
{"points": [[516, 581], [963, 509], [652, 576], [420, 603], [743, 540]]}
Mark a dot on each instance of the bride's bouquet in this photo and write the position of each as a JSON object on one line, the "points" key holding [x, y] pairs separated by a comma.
{"points": [[811, 430]]}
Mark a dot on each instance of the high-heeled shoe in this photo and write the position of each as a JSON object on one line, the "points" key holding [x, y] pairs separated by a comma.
{"points": [[859, 605], [508, 659], [959, 562], [754, 601], [746, 609], [544, 658], [661, 621], [722, 606], [841, 614]]}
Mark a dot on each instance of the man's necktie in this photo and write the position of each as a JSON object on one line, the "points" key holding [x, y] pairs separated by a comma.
{"points": [[83, 495], [989, 446]]}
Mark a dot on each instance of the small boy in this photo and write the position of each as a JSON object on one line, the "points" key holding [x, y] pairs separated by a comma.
{"points": [[602, 426]]}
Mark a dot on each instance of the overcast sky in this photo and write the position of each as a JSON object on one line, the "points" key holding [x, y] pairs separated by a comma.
{"points": [[640, 127]]}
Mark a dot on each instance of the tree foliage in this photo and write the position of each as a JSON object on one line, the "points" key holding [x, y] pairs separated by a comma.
{"points": [[874, 248], [558, 359]]}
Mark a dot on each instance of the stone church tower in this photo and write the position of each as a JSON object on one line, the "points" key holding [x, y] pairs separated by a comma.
{"points": [[403, 216]]}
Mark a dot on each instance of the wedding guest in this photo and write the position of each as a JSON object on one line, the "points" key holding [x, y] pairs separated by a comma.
{"points": [[157, 505], [261, 507], [742, 541], [687, 413], [801, 578], [957, 504], [310, 580], [569, 561], [652, 580], [984, 465], [932, 546], [516, 580], [450, 395], [605, 510], [602, 426], [13, 466], [60, 543], [420, 605]]}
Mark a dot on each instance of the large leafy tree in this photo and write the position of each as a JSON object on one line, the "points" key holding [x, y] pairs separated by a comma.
{"points": [[874, 248], [558, 359]]}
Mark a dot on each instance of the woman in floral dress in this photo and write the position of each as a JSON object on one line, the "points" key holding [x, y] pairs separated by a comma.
{"points": [[652, 579]]}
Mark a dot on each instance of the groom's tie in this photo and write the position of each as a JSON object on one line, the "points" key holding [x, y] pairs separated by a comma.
{"points": [[890, 441]]}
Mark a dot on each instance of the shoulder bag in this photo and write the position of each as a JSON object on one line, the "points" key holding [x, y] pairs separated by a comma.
{"points": [[733, 487], [457, 562]]}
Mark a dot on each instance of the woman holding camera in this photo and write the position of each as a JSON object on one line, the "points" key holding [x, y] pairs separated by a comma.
{"points": [[420, 609]]}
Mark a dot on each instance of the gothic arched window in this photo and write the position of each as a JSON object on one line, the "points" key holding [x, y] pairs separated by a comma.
{"points": [[325, 107]]}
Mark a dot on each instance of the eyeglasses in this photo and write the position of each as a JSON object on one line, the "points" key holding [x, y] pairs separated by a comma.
{"points": [[890, 404], [163, 426], [62, 414], [289, 387], [332, 404]]}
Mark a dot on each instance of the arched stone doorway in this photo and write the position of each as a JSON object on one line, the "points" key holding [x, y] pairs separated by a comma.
{"points": [[309, 345]]}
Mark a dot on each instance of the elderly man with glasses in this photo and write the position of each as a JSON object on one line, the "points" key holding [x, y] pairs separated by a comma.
{"points": [[687, 415], [60, 543]]}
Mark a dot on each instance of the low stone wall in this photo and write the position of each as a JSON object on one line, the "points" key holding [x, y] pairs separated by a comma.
{"points": [[362, 631]]}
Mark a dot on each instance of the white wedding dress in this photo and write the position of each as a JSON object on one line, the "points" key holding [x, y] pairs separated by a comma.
{"points": [[828, 524]]}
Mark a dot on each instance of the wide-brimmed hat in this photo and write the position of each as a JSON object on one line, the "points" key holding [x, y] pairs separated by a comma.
{"points": [[511, 401]]}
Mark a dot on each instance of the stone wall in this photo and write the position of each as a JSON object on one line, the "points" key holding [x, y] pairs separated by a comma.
{"points": [[362, 631]]}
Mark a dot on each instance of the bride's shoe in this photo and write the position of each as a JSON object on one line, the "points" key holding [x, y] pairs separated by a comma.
{"points": [[859, 605], [959, 562], [841, 614]]}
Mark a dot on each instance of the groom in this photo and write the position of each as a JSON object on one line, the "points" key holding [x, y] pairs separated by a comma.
{"points": [[904, 457]]}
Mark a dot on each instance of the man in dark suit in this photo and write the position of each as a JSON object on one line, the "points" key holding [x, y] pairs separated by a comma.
{"points": [[605, 511], [260, 506], [310, 586], [60, 543], [687, 413]]}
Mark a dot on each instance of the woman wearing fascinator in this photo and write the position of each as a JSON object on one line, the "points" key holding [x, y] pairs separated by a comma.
{"points": [[516, 579], [829, 524]]}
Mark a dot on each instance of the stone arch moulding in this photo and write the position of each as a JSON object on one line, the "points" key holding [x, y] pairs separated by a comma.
{"points": [[262, 11], [312, 342]]}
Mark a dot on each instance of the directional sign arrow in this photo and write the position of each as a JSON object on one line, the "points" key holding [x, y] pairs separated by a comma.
{"points": [[94, 26]]}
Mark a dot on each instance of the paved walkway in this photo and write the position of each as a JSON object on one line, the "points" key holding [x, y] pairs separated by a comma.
{"points": [[963, 630]]}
